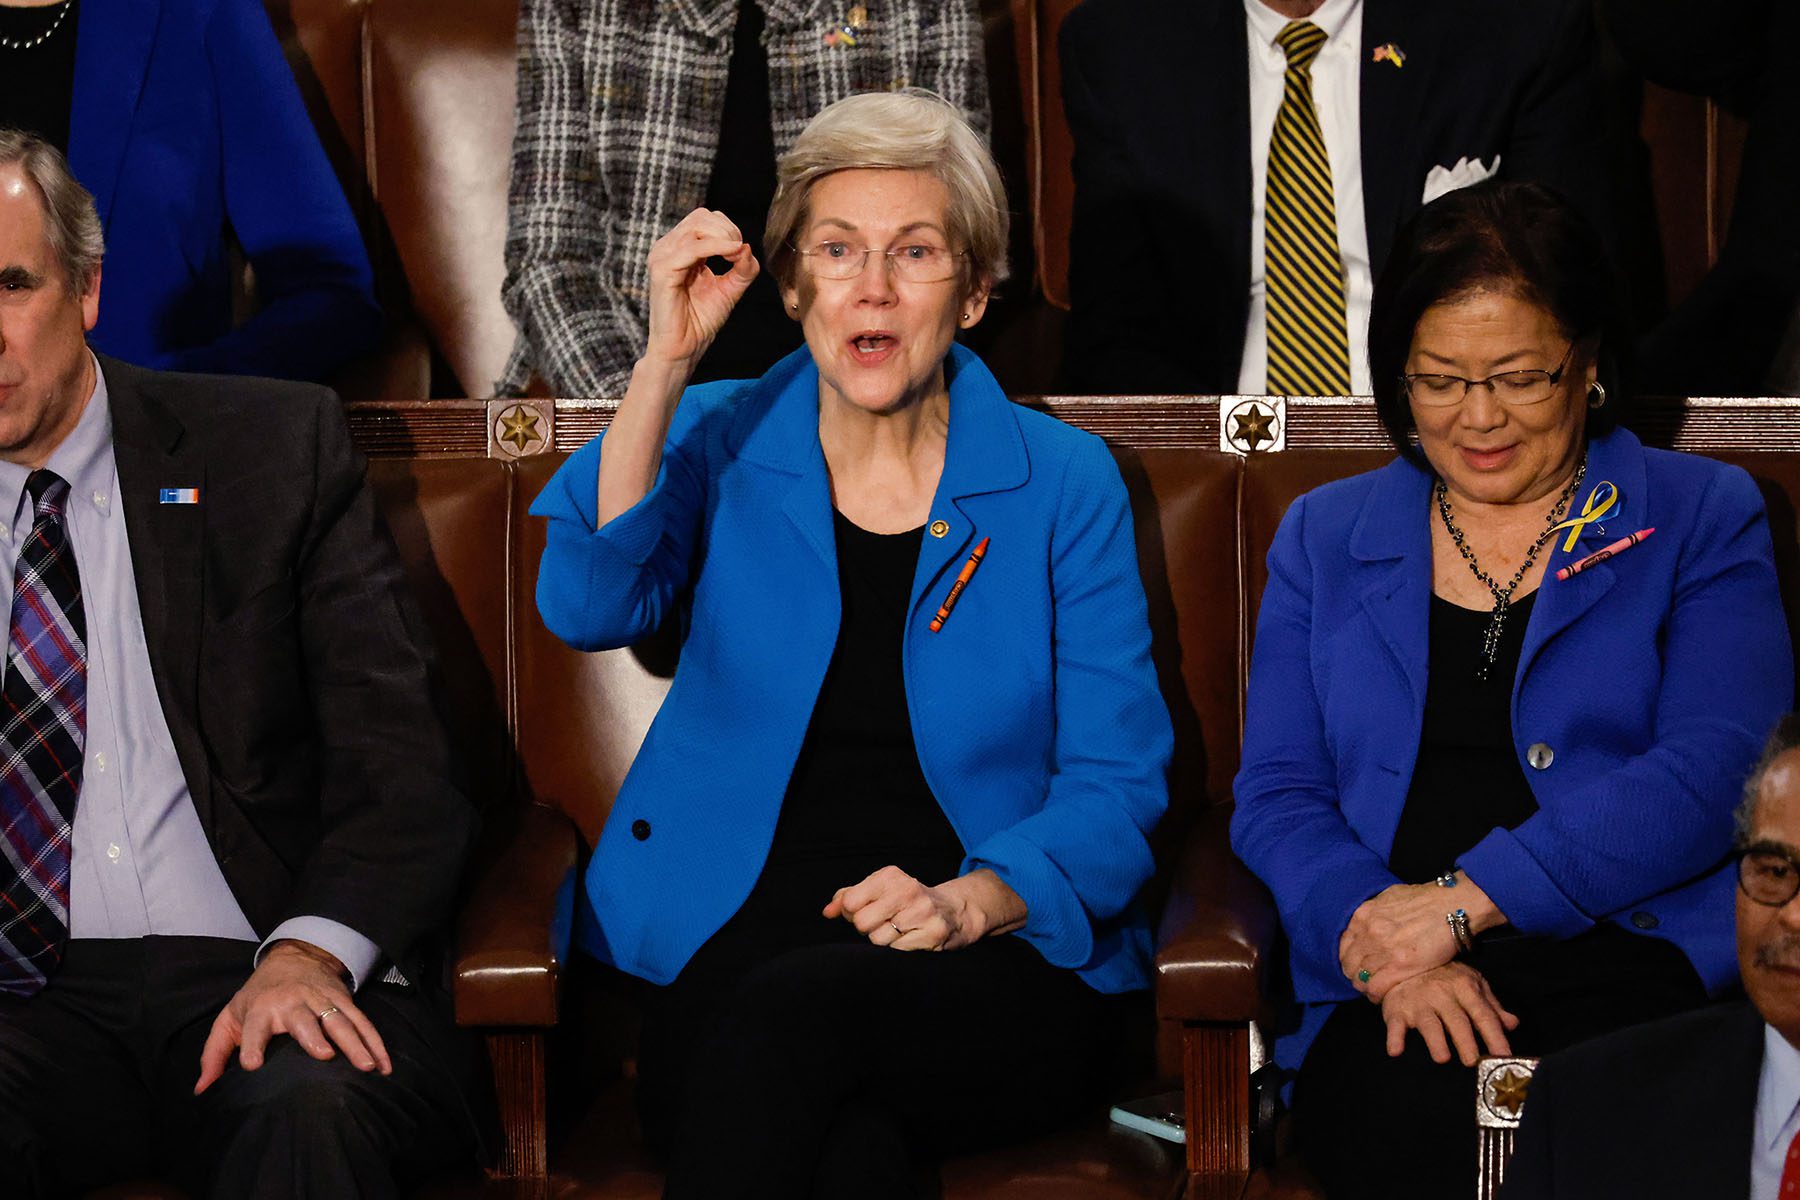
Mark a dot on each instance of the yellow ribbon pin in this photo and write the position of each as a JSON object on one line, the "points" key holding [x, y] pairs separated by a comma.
{"points": [[1600, 503]]}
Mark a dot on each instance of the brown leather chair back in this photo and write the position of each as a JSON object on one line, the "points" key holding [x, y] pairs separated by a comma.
{"points": [[451, 521], [439, 111], [1050, 179]]}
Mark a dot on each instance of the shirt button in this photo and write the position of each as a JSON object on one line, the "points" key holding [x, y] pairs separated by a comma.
{"points": [[1540, 756], [640, 829], [100, 761], [99, 499], [112, 851]]}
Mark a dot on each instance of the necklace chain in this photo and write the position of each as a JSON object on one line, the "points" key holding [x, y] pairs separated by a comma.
{"points": [[62, 10], [1490, 641]]}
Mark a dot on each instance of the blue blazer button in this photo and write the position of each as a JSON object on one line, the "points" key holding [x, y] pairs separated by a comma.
{"points": [[640, 829], [1644, 920]]}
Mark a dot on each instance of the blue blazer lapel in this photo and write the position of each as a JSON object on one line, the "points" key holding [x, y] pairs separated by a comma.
{"points": [[1618, 459], [1391, 545], [112, 56], [778, 428], [985, 453]]}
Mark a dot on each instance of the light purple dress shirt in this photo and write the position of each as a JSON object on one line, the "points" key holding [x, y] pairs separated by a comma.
{"points": [[140, 863]]}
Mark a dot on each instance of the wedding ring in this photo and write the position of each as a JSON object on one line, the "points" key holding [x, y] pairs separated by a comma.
{"points": [[898, 932], [323, 1013]]}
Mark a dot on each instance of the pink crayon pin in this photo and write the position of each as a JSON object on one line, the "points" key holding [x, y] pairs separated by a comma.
{"points": [[1604, 553]]}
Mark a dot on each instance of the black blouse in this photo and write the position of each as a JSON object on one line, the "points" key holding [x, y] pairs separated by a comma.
{"points": [[1467, 781], [742, 187], [40, 81]]}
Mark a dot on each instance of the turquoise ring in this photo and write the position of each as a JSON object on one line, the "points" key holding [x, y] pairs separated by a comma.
{"points": [[1362, 977]]}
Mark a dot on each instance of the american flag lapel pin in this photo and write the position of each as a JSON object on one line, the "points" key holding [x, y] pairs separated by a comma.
{"points": [[179, 496], [1389, 53]]}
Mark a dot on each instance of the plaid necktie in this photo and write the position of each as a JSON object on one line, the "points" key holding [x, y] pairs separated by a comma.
{"points": [[43, 725], [1308, 347]]}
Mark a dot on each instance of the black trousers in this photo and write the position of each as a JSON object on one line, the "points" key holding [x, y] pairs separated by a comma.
{"points": [[97, 1077], [1402, 1128], [846, 1069]]}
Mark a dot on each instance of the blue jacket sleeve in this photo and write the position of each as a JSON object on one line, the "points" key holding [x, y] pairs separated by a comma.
{"points": [[1085, 854], [1664, 816], [313, 280], [1288, 826], [603, 588]]}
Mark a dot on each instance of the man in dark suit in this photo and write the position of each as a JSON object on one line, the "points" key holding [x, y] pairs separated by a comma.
{"points": [[228, 830], [1706, 1104], [1241, 168]]}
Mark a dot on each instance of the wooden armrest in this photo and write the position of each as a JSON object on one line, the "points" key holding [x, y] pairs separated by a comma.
{"points": [[1217, 931], [508, 960]]}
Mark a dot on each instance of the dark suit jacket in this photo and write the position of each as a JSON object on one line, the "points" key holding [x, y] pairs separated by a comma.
{"points": [[1662, 1110], [289, 658], [1158, 100], [188, 129]]}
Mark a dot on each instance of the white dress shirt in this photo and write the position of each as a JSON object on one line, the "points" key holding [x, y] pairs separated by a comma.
{"points": [[1337, 95], [1777, 1114]]}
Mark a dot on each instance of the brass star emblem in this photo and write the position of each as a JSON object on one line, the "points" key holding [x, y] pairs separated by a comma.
{"points": [[1252, 426], [519, 426], [1507, 1090]]}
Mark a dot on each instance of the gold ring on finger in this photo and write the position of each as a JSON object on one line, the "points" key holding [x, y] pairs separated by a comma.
{"points": [[326, 1012], [899, 932]]}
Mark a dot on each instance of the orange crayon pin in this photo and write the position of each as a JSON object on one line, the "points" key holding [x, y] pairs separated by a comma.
{"points": [[962, 581]]}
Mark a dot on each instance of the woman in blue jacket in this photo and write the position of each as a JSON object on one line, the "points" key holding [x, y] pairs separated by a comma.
{"points": [[915, 709], [1489, 771], [182, 118]]}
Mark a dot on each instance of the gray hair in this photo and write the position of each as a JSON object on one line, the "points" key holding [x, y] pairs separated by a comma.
{"points": [[70, 220], [1784, 737], [909, 130]]}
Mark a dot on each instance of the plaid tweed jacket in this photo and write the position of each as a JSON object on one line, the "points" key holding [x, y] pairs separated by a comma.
{"points": [[620, 103]]}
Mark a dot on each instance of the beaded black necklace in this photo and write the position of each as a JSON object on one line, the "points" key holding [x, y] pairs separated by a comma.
{"points": [[1490, 641]]}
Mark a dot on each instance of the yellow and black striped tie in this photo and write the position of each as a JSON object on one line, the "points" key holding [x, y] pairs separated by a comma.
{"points": [[1308, 347]]}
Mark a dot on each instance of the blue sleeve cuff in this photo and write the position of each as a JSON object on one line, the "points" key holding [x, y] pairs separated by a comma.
{"points": [[1500, 865], [1055, 921], [356, 952], [1333, 899]]}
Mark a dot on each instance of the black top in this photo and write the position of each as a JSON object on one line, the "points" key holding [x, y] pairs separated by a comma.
{"points": [[40, 82], [1467, 781], [742, 187], [857, 800]]}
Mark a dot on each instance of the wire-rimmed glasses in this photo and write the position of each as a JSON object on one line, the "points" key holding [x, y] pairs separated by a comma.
{"points": [[914, 261], [1509, 387]]}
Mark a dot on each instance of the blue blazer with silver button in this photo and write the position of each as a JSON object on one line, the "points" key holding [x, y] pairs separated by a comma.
{"points": [[1644, 691], [1036, 713]]}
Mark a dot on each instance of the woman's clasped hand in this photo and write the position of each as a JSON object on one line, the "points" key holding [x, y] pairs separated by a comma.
{"points": [[1403, 932], [1450, 1006], [893, 909]]}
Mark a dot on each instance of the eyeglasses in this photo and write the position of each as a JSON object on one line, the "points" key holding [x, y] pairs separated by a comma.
{"points": [[915, 262], [1768, 874], [1508, 387]]}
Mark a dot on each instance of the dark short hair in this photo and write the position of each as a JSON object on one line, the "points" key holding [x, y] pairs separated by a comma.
{"points": [[1784, 737], [1517, 238]]}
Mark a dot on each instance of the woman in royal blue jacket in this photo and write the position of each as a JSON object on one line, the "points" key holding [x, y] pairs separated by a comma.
{"points": [[915, 709], [1489, 771]]}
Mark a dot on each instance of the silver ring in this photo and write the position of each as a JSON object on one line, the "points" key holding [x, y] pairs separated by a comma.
{"points": [[897, 930], [323, 1013]]}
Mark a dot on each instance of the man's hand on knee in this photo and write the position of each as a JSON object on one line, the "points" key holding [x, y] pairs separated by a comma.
{"points": [[297, 989]]}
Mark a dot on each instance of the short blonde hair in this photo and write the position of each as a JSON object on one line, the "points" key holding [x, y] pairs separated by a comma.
{"points": [[910, 130]]}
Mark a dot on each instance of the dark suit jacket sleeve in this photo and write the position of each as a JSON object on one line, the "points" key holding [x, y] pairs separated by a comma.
{"points": [[313, 280], [1558, 134], [394, 824], [1117, 251]]}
